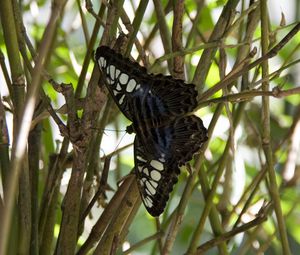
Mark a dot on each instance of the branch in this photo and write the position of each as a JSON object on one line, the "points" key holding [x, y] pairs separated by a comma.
{"points": [[261, 217], [249, 95], [233, 75]]}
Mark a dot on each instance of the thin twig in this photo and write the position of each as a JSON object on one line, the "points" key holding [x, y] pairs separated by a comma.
{"points": [[249, 95], [101, 189], [143, 242], [233, 75], [261, 217]]}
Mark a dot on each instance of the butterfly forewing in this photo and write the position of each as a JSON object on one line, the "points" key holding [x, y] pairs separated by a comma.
{"points": [[126, 81], [156, 105]]}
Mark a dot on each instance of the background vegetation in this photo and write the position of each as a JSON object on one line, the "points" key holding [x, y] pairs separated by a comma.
{"points": [[62, 192]]}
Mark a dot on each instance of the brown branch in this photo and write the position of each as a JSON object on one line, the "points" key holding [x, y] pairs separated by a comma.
{"points": [[105, 218], [90, 9], [118, 221], [178, 65], [67, 90]]}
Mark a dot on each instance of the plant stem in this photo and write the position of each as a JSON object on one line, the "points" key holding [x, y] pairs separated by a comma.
{"points": [[266, 132]]}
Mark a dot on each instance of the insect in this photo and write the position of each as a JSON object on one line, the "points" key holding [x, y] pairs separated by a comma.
{"points": [[166, 137]]}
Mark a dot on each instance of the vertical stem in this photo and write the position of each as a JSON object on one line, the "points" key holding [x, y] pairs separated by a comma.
{"points": [[67, 238], [178, 68], [33, 164], [140, 12], [164, 31], [266, 132], [208, 54]]}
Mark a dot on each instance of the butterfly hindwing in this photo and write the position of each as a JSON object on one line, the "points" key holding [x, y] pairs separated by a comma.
{"points": [[158, 157], [156, 177]]}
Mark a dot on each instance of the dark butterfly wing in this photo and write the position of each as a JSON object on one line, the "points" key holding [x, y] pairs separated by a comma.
{"points": [[157, 163], [165, 138], [159, 96]]}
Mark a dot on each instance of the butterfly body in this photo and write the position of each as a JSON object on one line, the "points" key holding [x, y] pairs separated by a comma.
{"points": [[157, 106]]}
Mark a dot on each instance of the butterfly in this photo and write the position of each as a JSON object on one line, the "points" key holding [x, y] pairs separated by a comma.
{"points": [[166, 136]]}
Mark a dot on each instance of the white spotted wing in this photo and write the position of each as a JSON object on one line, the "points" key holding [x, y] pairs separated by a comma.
{"points": [[157, 163], [158, 97], [165, 137]]}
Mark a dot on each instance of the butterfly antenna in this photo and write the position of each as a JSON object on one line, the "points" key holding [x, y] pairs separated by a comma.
{"points": [[110, 130], [120, 141], [116, 130], [106, 129]]}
